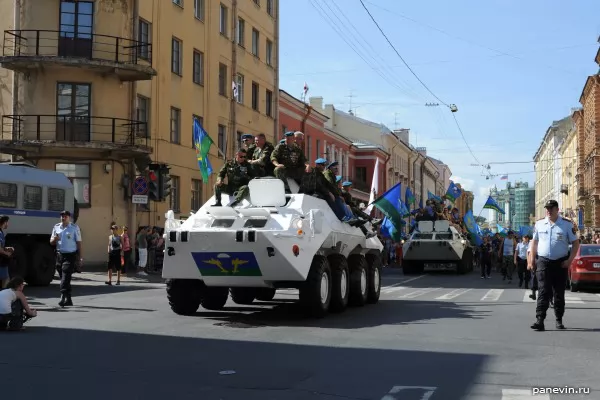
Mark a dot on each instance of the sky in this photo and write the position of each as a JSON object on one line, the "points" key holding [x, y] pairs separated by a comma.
{"points": [[510, 66]]}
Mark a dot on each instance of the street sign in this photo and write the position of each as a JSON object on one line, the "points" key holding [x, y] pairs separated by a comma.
{"points": [[139, 199], [140, 185]]}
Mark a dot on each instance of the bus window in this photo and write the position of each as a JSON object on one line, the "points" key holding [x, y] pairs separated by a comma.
{"points": [[56, 199], [8, 195], [32, 198]]}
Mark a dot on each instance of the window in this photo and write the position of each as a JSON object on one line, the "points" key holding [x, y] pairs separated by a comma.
{"points": [[79, 175], [221, 139], [318, 149], [76, 28], [360, 174], [223, 20], [255, 38], [176, 56], [32, 198], [144, 39], [143, 115], [239, 139], [239, 80], [308, 147], [269, 55], [198, 69], [201, 120], [73, 106], [174, 199], [196, 202], [241, 32], [56, 199], [178, 2], [199, 9], [223, 80], [270, 7], [175, 125], [8, 195], [255, 96], [269, 103]]}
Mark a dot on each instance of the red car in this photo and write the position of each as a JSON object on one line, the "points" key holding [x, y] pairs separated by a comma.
{"points": [[585, 268]]}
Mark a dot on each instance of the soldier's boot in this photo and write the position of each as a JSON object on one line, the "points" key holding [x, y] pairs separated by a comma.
{"points": [[538, 325], [376, 222], [218, 203], [69, 301], [559, 324], [63, 300], [532, 295]]}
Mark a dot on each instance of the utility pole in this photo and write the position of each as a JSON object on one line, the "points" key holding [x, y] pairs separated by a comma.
{"points": [[396, 121], [350, 96]]}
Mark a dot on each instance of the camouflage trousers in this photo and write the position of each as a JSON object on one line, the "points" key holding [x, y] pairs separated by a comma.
{"points": [[508, 267], [238, 192], [284, 173]]}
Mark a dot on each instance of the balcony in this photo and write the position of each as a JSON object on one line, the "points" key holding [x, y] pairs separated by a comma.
{"points": [[564, 189], [73, 135], [27, 50], [582, 193]]}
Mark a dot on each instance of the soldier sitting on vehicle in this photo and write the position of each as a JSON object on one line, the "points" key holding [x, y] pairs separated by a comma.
{"points": [[248, 143], [314, 184], [260, 159], [346, 188], [239, 172], [289, 161]]}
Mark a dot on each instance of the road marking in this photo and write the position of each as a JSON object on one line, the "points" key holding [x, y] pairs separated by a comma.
{"points": [[492, 295], [408, 280], [522, 394], [427, 392], [389, 289], [453, 294], [417, 293], [568, 299]]}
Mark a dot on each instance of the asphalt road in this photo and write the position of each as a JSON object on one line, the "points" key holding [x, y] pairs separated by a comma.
{"points": [[431, 337]]}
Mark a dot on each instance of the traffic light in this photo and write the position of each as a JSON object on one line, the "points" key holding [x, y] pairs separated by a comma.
{"points": [[153, 183], [164, 182]]}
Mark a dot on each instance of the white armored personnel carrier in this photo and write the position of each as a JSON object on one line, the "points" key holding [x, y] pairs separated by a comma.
{"points": [[437, 246], [270, 241]]}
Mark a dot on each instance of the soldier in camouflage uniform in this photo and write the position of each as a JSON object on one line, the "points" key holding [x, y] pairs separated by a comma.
{"points": [[289, 161], [239, 172], [314, 184], [330, 173], [346, 187], [261, 158], [282, 141], [248, 144]]}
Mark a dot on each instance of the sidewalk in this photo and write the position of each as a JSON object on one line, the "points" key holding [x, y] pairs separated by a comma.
{"points": [[99, 272]]}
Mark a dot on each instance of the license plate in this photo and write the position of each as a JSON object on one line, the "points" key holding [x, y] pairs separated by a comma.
{"points": [[596, 265]]}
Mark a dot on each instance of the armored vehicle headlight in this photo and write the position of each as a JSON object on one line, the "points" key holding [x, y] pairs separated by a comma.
{"points": [[463, 241], [297, 223]]}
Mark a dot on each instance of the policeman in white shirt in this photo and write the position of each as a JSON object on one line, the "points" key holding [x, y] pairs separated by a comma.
{"points": [[550, 253], [67, 238]]}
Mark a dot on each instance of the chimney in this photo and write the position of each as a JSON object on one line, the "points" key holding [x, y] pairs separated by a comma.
{"points": [[316, 103], [403, 134], [422, 150]]}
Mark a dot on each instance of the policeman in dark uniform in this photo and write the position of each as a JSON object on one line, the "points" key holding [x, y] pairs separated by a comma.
{"points": [[550, 252], [66, 236]]}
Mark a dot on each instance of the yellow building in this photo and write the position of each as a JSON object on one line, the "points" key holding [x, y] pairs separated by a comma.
{"points": [[99, 89], [567, 152]]}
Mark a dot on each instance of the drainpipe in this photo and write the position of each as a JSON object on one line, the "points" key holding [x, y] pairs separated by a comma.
{"points": [[308, 109], [15, 77], [422, 178], [414, 175], [276, 74], [131, 208], [232, 111]]}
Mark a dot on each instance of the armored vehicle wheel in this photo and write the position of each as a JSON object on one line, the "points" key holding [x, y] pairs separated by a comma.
{"points": [[340, 289], [18, 262], [265, 294], [315, 293], [374, 277], [185, 295], [358, 280], [42, 265], [463, 265], [215, 298], [243, 295]]}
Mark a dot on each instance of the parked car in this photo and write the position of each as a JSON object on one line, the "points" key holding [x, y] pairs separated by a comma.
{"points": [[584, 271]]}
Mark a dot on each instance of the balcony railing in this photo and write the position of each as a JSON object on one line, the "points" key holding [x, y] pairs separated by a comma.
{"points": [[74, 129], [362, 186], [46, 43]]}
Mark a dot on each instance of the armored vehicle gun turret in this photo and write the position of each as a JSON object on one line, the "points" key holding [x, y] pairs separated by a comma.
{"points": [[437, 246], [270, 241]]}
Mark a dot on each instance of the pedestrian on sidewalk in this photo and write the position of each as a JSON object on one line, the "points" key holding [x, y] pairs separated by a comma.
{"points": [[521, 261], [66, 236], [115, 254], [126, 250], [550, 253], [5, 252], [142, 245], [508, 247]]}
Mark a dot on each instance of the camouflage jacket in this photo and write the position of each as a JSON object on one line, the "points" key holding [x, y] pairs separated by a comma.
{"points": [[329, 175], [237, 174], [250, 148], [315, 183], [263, 156], [290, 157], [348, 198]]}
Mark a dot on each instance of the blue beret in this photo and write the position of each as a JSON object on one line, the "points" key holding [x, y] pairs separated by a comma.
{"points": [[288, 134], [346, 183], [247, 136], [333, 164], [320, 161], [282, 141], [338, 178]]}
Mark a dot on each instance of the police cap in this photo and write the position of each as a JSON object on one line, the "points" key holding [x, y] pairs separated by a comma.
{"points": [[338, 179], [65, 212], [333, 164], [282, 141], [289, 134], [551, 203], [247, 136], [320, 161], [347, 183]]}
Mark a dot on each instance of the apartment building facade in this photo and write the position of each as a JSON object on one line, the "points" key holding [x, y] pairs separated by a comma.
{"points": [[567, 153], [98, 90]]}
